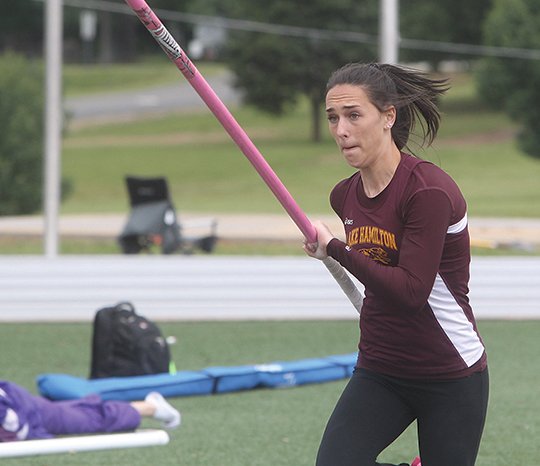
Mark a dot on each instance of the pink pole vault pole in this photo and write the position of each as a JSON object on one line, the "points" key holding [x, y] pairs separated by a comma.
{"points": [[239, 136]]}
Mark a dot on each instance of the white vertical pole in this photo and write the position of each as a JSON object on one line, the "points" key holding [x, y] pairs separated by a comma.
{"points": [[53, 123], [389, 31]]}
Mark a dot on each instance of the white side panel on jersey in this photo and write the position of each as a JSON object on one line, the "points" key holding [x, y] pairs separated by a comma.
{"points": [[454, 322], [459, 226]]}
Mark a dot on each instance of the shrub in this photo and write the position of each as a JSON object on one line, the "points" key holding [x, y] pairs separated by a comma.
{"points": [[21, 140], [512, 83]]}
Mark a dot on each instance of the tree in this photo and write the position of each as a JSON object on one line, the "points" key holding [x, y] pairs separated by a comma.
{"points": [[274, 71], [511, 83], [21, 144], [456, 21], [122, 38], [21, 120], [21, 27]]}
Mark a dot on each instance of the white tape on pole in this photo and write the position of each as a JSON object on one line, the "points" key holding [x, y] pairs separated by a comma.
{"points": [[344, 281], [140, 438]]}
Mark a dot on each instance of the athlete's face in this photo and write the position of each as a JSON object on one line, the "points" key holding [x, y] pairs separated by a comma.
{"points": [[361, 131]]}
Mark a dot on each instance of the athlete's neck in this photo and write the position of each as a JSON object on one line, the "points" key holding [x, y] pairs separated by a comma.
{"points": [[377, 177]]}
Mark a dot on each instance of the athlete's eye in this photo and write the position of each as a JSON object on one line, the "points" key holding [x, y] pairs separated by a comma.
{"points": [[333, 119], [354, 116]]}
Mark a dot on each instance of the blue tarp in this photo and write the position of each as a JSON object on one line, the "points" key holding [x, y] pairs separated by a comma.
{"points": [[207, 381]]}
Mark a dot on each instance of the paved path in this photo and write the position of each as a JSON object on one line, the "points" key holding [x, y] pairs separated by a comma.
{"points": [[154, 100], [489, 232]]}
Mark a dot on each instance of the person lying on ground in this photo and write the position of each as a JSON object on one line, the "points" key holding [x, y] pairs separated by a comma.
{"points": [[24, 416]]}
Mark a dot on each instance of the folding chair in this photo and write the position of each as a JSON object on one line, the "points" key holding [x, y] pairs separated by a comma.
{"points": [[153, 221]]}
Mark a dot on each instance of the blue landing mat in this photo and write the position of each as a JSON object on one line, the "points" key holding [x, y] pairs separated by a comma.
{"points": [[207, 381]]}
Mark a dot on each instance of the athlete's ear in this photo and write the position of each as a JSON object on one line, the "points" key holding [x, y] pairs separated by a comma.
{"points": [[389, 117]]}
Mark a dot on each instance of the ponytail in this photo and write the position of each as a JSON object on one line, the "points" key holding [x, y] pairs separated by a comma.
{"points": [[412, 92]]}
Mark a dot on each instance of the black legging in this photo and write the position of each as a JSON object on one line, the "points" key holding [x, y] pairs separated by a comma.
{"points": [[375, 409]]}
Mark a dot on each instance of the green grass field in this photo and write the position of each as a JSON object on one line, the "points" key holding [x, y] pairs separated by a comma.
{"points": [[208, 173], [276, 427]]}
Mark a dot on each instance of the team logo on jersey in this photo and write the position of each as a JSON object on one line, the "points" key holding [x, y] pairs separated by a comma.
{"points": [[372, 235], [377, 254]]}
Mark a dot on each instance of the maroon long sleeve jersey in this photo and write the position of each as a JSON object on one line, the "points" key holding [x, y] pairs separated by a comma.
{"points": [[410, 247]]}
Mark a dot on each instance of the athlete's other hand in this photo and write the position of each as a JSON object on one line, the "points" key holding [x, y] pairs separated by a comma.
{"points": [[324, 236]]}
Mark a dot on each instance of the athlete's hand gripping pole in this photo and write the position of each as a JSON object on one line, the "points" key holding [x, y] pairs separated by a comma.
{"points": [[188, 69]]}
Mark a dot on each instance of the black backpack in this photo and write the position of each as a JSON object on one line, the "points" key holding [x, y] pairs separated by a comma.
{"points": [[126, 344]]}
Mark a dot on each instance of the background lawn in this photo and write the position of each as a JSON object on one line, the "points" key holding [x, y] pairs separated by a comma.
{"points": [[208, 173], [276, 427]]}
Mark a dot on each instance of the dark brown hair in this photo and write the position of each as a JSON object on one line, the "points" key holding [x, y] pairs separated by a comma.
{"points": [[412, 92]]}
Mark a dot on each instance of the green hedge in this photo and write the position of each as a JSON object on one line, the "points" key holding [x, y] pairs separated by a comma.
{"points": [[21, 124]]}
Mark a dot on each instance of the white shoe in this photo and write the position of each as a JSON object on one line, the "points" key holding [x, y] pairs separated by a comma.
{"points": [[169, 416]]}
